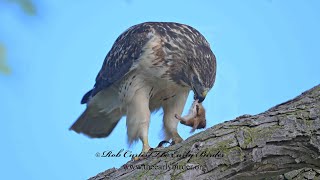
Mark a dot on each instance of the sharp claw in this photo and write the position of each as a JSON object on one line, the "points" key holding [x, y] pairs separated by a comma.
{"points": [[142, 157], [136, 159], [162, 143]]}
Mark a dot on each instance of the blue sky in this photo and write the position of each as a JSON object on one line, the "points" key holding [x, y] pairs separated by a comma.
{"points": [[267, 52]]}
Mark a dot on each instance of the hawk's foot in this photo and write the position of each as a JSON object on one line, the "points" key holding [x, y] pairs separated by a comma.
{"points": [[162, 143], [143, 155], [176, 139]]}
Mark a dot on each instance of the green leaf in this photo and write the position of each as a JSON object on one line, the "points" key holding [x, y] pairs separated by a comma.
{"points": [[26, 5], [3, 66]]}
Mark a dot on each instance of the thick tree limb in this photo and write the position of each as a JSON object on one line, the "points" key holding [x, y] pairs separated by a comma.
{"points": [[280, 143]]}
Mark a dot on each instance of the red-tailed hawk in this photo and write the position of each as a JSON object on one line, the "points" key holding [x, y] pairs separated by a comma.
{"points": [[151, 65]]}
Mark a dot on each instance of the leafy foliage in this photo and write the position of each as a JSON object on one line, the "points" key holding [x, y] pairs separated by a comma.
{"points": [[3, 66], [28, 7]]}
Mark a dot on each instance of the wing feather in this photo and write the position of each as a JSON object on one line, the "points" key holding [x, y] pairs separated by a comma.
{"points": [[124, 53]]}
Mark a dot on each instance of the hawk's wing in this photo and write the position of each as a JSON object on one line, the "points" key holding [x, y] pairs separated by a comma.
{"points": [[125, 51]]}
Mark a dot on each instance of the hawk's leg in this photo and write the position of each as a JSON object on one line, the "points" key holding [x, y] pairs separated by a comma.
{"points": [[171, 107], [138, 118]]}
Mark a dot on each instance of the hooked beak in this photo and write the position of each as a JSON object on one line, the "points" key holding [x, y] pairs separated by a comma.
{"points": [[201, 96]]}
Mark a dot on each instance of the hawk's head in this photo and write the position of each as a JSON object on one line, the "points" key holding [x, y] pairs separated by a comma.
{"points": [[202, 75], [188, 55]]}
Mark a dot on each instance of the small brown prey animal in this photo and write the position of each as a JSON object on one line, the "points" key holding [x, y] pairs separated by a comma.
{"points": [[196, 118]]}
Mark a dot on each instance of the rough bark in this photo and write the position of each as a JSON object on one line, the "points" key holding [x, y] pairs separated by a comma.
{"points": [[281, 143]]}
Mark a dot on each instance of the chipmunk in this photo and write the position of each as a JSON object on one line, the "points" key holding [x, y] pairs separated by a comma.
{"points": [[196, 118]]}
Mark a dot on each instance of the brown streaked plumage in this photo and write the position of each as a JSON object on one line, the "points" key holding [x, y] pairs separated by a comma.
{"points": [[150, 66]]}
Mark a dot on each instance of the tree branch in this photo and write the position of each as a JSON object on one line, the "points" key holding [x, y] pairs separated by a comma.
{"points": [[273, 144]]}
